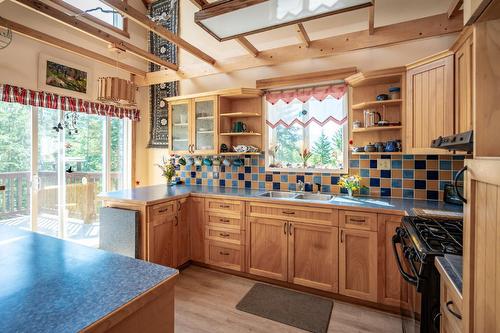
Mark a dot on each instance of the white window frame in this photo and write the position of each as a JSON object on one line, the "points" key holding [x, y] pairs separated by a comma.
{"points": [[342, 171]]}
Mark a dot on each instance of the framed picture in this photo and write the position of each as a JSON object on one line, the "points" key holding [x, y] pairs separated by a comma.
{"points": [[64, 78]]}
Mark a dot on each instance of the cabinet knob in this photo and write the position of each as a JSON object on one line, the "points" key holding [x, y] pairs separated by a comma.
{"points": [[223, 253]]}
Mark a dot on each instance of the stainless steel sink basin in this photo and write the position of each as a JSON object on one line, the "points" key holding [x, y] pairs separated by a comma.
{"points": [[278, 194], [314, 196]]}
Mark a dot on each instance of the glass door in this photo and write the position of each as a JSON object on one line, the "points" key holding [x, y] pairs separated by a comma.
{"points": [[204, 125], [15, 165], [180, 127]]}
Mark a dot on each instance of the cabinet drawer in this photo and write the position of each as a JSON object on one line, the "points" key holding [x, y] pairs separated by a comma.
{"points": [[232, 207], [225, 255], [225, 235], [160, 211], [223, 220], [313, 215], [451, 307], [358, 220]]}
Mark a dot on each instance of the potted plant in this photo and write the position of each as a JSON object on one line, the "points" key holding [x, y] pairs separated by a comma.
{"points": [[168, 169], [351, 183]]}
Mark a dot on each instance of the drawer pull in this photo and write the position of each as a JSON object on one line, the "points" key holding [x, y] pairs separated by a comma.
{"points": [[224, 206], [224, 221], [222, 234], [357, 220], [287, 212], [223, 253], [163, 210], [451, 311]]}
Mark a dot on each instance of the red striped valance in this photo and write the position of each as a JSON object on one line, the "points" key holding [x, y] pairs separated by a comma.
{"points": [[13, 94], [304, 94]]}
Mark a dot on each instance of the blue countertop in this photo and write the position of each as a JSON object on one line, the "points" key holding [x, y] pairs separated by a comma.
{"points": [[51, 285], [453, 267], [158, 193]]}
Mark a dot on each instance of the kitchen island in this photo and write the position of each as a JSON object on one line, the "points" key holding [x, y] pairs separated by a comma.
{"points": [[52, 285]]}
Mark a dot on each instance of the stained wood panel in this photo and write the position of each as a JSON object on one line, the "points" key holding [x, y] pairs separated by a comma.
{"points": [[182, 239], [161, 240], [316, 215], [463, 86], [313, 256], [267, 248], [196, 219], [430, 111]]}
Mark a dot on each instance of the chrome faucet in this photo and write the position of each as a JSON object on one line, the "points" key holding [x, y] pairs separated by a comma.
{"points": [[300, 186]]}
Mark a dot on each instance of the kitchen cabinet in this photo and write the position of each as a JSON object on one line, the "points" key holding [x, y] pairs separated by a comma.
{"points": [[161, 234], [480, 10], [464, 52], [392, 289], [193, 126], [430, 103], [196, 221], [451, 304], [181, 230], [358, 264], [313, 256]]}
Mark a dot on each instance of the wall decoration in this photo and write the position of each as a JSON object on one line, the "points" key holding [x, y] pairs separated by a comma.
{"points": [[168, 9], [5, 37], [63, 77]]}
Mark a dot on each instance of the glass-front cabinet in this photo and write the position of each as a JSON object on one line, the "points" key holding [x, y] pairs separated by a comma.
{"points": [[193, 126]]}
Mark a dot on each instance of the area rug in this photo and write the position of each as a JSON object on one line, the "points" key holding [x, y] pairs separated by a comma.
{"points": [[308, 312], [158, 137]]}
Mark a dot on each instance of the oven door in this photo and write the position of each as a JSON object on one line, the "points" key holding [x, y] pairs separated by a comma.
{"points": [[409, 268]]}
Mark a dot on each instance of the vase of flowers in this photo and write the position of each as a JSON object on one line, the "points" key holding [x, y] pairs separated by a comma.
{"points": [[305, 155], [351, 183], [168, 169]]}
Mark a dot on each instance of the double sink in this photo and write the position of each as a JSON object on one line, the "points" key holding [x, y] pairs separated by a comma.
{"points": [[297, 195]]}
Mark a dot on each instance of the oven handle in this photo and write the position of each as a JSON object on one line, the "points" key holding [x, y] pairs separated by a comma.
{"points": [[410, 279], [455, 184]]}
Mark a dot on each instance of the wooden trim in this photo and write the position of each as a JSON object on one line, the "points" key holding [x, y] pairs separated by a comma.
{"points": [[462, 37], [304, 37], [429, 59], [224, 6], [315, 77], [376, 77], [235, 92], [94, 19], [44, 38], [371, 19], [245, 43], [454, 7], [57, 15], [145, 22], [386, 35], [199, 3]]}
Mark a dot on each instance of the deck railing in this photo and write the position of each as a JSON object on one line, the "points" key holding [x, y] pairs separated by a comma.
{"points": [[16, 198]]}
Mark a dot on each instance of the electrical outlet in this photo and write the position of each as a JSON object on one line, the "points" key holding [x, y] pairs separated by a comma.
{"points": [[383, 164]]}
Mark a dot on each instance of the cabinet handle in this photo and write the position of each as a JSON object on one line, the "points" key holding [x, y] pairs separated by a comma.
{"points": [[163, 210], [357, 220], [224, 221], [287, 212], [284, 228], [224, 234], [451, 311], [224, 206], [178, 205], [341, 235], [223, 253], [176, 220], [290, 226]]}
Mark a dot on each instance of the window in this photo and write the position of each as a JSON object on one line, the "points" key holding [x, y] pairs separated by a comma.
{"points": [[113, 19], [307, 131]]}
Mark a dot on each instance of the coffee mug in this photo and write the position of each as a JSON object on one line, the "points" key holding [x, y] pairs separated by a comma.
{"points": [[239, 127]]}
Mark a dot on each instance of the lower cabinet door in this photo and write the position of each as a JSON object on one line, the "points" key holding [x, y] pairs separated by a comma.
{"points": [[161, 241], [358, 264], [196, 219], [313, 256], [267, 247], [182, 233]]}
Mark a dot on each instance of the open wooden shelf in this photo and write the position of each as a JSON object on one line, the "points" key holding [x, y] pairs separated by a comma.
{"points": [[376, 128], [373, 104], [241, 134], [233, 153], [240, 114]]}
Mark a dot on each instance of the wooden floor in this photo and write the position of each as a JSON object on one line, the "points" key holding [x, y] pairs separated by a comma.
{"points": [[206, 300]]}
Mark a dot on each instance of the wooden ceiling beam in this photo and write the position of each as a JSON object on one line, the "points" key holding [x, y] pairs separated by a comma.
{"points": [[300, 79], [199, 3], [141, 19], [62, 44], [371, 19], [73, 22], [426, 27], [454, 7], [304, 37], [245, 43]]}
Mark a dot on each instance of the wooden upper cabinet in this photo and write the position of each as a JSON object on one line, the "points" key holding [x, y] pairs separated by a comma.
{"points": [[267, 247], [430, 103], [196, 220], [463, 84], [358, 264], [313, 256], [391, 284], [193, 126]]}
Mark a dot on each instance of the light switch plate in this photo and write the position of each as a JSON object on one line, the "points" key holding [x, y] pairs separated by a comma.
{"points": [[383, 164]]}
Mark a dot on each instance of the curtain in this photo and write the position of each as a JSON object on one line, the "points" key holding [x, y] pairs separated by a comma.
{"points": [[304, 94], [13, 94]]}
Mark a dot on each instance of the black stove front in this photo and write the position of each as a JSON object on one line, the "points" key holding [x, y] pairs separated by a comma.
{"points": [[416, 243]]}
